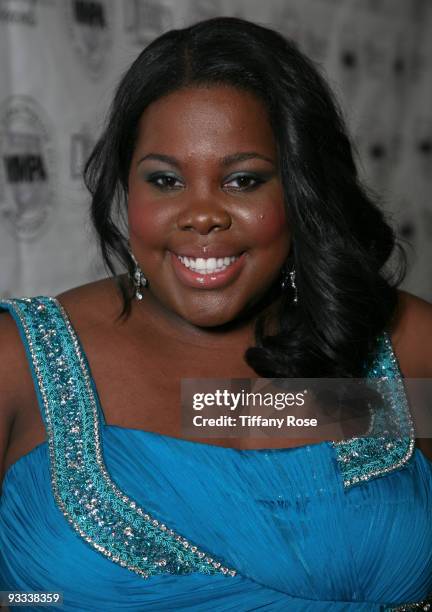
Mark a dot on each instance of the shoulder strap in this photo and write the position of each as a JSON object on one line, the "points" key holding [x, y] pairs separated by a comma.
{"points": [[99, 511], [361, 459], [50, 348]]}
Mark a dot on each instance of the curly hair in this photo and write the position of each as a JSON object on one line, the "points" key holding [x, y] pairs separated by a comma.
{"points": [[341, 239]]}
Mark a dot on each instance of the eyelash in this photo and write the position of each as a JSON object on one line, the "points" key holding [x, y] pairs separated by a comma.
{"points": [[258, 180]]}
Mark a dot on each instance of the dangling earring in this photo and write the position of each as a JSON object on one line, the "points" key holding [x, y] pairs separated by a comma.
{"points": [[293, 285], [288, 279], [138, 278]]}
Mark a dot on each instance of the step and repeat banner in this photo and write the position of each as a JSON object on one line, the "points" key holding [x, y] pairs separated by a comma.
{"points": [[61, 59]]}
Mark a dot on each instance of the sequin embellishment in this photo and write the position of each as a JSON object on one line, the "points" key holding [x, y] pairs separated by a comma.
{"points": [[363, 458], [424, 605], [106, 518]]}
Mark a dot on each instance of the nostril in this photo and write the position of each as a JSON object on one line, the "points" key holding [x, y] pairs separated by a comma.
{"points": [[204, 221]]}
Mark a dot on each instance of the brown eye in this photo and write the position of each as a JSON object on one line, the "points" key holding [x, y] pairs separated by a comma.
{"points": [[164, 182], [244, 182]]}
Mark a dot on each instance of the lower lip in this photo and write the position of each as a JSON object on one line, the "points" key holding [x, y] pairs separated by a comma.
{"points": [[213, 280]]}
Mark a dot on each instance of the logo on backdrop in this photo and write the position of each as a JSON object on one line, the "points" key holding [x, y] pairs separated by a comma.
{"points": [[18, 11], [27, 167], [147, 19], [90, 27]]}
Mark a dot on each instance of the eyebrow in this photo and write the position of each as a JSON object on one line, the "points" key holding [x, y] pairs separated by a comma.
{"points": [[228, 160]]}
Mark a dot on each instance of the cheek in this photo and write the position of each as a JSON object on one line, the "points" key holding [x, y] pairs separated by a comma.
{"points": [[147, 221], [270, 226]]}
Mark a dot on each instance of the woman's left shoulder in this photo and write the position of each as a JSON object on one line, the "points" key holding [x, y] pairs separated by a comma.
{"points": [[411, 335]]}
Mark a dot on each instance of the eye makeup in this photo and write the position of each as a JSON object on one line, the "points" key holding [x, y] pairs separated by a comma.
{"points": [[258, 179], [166, 181]]}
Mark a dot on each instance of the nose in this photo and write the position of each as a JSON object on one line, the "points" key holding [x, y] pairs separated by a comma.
{"points": [[204, 219]]}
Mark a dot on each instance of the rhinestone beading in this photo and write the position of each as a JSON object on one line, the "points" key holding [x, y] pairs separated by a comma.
{"points": [[362, 458], [104, 516], [425, 606]]}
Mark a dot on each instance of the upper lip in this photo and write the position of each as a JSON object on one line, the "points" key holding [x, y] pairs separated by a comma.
{"points": [[216, 251]]}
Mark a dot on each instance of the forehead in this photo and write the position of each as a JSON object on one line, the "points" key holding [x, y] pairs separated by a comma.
{"points": [[206, 119]]}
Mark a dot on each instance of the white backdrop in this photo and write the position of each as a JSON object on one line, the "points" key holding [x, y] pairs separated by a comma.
{"points": [[60, 61]]}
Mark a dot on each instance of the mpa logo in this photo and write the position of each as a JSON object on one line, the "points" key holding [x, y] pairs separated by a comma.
{"points": [[18, 11], [147, 19], [90, 26], [26, 171]]}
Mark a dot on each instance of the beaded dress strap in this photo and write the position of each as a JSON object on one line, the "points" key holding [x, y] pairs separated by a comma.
{"points": [[107, 519], [425, 605], [362, 458]]}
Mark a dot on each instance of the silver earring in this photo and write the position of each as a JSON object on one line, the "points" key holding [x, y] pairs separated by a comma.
{"points": [[288, 279], [138, 278], [293, 285]]}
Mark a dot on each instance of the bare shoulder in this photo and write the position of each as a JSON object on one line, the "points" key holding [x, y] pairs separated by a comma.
{"points": [[96, 301], [411, 334], [94, 310], [12, 358], [412, 341], [101, 296], [91, 306], [15, 381]]}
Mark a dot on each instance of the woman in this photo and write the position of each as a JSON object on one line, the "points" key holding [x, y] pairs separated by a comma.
{"points": [[225, 183]]}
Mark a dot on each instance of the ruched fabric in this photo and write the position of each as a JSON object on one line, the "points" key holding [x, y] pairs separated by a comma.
{"points": [[296, 537]]}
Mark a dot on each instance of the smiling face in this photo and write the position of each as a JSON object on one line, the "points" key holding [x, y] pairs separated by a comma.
{"points": [[205, 205]]}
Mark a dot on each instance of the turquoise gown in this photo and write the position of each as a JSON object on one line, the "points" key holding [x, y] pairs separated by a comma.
{"points": [[124, 519]]}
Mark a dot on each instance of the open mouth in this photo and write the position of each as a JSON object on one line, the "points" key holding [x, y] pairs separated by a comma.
{"points": [[211, 265], [208, 272]]}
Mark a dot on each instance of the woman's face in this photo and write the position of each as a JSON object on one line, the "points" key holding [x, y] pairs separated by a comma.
{"points": [[206, 216]]}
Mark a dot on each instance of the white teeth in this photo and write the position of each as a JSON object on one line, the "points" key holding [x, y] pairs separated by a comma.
{"points": [[207, 266]]}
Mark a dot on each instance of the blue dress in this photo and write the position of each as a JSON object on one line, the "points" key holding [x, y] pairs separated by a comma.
{"points": [[124, 519]]}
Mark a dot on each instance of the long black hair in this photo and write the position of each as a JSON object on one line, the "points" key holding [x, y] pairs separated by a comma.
{"points": [[341, 240]]}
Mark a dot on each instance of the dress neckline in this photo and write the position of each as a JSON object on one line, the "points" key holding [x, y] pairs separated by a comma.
{"points": [[146, 432], [358, 459]]}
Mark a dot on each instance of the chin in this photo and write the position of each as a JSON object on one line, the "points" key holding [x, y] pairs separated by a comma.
{"points": [[205, 319], [219, 314], [209, 317]]}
